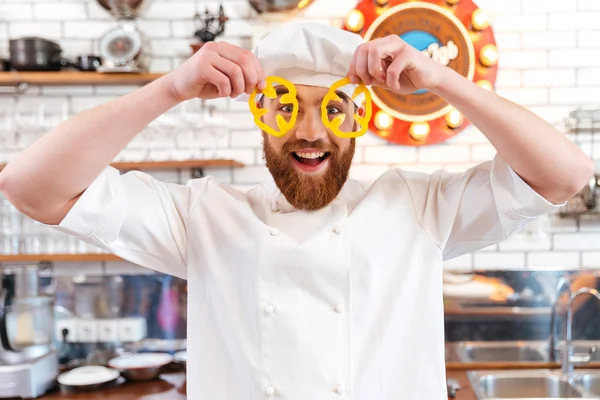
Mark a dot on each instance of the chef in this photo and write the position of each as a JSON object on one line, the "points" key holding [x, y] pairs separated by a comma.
{"points": [[309, 285]]}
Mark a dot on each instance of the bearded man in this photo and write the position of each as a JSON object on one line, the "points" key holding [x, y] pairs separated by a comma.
{"points": [[309, 285]]}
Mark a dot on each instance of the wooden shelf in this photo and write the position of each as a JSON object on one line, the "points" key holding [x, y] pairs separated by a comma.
{"points": [[67, 78], [590, 215], [153, 165], [58, 258]]}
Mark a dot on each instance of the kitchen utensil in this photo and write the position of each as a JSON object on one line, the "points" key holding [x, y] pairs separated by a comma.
{"points": [[88, 62], [37, 54], [141, 367], [128, 9], [262, 6], [91, 377]]}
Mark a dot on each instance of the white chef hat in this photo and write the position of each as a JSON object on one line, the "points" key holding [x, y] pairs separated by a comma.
{"points": [[308, 54]]}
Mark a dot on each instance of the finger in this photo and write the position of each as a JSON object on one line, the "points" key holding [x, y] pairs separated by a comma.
{"points": [[219, 80], [362, 68], [233, 72], [246, 61], [260, 72], [374, 63], [394, 71], [352, 71]]}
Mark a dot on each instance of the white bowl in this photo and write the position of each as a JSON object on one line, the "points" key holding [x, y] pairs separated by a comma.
{"points": [[88, 375]]}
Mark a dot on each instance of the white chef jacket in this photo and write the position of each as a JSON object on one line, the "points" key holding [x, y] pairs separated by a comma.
{"points": [[343, 302]]}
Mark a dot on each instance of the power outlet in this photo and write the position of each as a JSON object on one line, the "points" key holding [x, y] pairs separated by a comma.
{"points": [[132, 329], [70, 325], [87, 331], [108, 330]]}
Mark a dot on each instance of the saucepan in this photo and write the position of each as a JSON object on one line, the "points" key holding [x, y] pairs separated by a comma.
{"points": [[39, 54]]}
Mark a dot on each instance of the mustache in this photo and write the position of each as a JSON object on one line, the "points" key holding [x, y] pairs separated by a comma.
{"points": [[301, 144]]}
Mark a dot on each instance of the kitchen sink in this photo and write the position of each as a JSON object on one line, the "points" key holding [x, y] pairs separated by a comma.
{"points": [[502, 351], [533, 384]]}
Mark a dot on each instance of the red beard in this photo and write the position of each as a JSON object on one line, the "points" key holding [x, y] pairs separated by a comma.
{"points": [[308, 192]]}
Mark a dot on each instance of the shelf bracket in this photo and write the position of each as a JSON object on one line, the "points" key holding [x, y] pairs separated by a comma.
{"points": [[197, 173]]}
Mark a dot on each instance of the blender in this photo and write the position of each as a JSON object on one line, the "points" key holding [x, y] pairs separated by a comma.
{"points": [[28, 363]]}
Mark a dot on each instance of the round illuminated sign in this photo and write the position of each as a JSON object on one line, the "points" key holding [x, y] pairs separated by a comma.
{"points": [[455, 34]]}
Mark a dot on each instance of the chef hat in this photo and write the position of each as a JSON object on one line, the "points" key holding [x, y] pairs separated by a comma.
{"points": [[308, 54]]}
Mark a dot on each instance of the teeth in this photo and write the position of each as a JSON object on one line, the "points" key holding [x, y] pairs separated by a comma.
{"points": [[310, 155]]}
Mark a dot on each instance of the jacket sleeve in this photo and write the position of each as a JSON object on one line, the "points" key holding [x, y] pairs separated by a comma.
{"points": [[464, 212], [135, 217]]}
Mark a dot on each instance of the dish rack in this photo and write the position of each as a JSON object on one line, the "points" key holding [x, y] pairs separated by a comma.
{"points": [[583, 127]]}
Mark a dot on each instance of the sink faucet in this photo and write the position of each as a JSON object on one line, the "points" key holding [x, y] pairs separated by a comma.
{"points": [[562, 285], [567, 366]]}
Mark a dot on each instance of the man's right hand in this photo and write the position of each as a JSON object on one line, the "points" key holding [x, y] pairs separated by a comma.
{"points": [[218, 69]]}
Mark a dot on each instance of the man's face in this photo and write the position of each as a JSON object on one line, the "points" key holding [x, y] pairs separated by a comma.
{"points": [[309, 163]]}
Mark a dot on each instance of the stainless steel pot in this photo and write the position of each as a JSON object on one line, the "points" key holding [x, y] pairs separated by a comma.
{"points": [[124, 8], [262, 6]]}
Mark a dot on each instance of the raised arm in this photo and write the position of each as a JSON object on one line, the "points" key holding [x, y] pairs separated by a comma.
{"points": [[46, 180]]}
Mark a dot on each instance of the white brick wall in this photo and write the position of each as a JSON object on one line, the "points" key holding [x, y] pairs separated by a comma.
{"points": [[549, 60]]}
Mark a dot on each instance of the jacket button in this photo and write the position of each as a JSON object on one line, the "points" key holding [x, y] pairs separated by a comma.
{"points": [[269, 309], [339, 308], [270, 390], [339, 390], [274, 231], [337, 230]]}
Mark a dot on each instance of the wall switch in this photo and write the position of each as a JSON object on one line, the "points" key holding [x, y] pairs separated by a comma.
{"points": [[108, 330], [132, 329]]}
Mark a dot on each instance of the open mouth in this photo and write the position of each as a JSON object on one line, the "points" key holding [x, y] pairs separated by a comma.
{"points": [[310, 159]]}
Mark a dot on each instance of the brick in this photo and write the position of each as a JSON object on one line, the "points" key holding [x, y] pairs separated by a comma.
{"points": [[68, 90], [549, 6], [549, 40], [520, 23], [525, 96], [460, 263], [201, 140], [443, 153], [330, 8], [76, 47], [558, 225], [155, 29], [370, 139], [250, 175], [390, 154], [578, 58], [549, 77], [523, 59], [172, 10], [573, 21], [520, 242], [160, 65], [588, 39], [508, 41], [49, 30], [96, 12], [60, 11], [586, 225], [87, 29], [183, 29], [553, 259], [579, 241], [240, 120], [247, 138], [590, 259], [508, 78], [551, 113], [493, 260], [482, 152], [367, 173], [16, 12], [589, 5], [500, 7], [115, 90], [169, 47], [575, 96], [238, 27]]}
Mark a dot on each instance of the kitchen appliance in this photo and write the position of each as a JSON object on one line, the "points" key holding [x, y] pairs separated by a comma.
{"points": [[36, 54], [208, 26], [124, 48], [266, 6], [28, 363]]}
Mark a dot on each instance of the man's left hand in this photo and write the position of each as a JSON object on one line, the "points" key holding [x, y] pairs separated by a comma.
{"points": [[393, 64]]}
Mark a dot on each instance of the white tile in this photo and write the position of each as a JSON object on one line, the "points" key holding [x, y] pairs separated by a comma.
{"points": [[240, 120], [330, 8], [68, 90], [589, 225], [390, 154], [549, 40], [96, 12], [115, 90], [508, 41], [573, 21], [508, 78], [523, 59], [561, 225], [367, 173], [200, 140], [183, 28], [500, 7], [553, 259], [577, 241], [590, 259], [178, 10], [491, 260], [155, 29], [76, 47], [482, 152], [589, 5], [160, 65], [575, 96], [48, 30], [169, 47], [520, 22], [81, 103], [444, 153], [549, 77], [86, 29], [59, 11], [247, 138], [526, 96], [250, 175], [460, 263], [549, 6], [588, 39], [552, 114], [577, 58], [245, 156], [588, 76], [16, 12], [521, 243]]}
